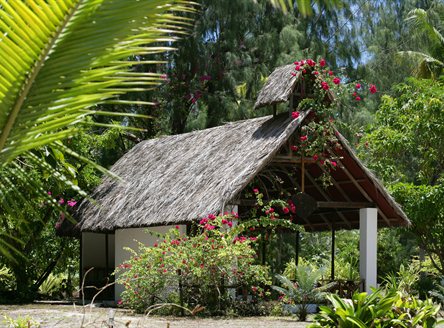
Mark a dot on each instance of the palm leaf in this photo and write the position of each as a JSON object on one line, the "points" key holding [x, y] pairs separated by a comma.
{"points": [[60, 59]]}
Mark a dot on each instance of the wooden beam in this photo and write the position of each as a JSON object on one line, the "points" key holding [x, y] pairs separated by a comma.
{"points": [[291, 160], [361, 189], [332, 204]]}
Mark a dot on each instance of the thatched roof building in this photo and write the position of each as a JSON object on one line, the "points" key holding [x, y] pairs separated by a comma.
{"points": [[181, 178]]}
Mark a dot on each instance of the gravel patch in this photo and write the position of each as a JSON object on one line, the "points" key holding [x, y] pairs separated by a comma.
{"points": [[65, 316]]}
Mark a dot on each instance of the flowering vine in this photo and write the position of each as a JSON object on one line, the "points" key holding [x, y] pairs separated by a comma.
{"points": [[324, 94]]}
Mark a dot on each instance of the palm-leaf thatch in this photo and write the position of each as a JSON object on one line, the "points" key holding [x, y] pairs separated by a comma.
{"points": [[185, 176], [181, 178]]}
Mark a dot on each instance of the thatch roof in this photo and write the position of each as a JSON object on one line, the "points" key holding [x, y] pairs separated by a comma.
{"points": [[184, 177], [279, 86], [181, 178]]}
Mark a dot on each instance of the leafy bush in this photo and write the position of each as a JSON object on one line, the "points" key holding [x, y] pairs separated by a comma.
{"points": [[209, 266], [302, 292], [383, 308], [20, 322]]}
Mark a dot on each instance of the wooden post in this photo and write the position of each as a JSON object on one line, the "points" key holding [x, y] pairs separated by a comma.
{"points": [[298, 237], [332, 276], [182, 313]]}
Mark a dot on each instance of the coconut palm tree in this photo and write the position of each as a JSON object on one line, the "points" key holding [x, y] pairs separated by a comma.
{"points": [[427, 28], [60, 59]]}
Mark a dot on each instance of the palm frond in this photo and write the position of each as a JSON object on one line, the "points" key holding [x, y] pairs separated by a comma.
{"points": [[64, 57], [60, 59]]}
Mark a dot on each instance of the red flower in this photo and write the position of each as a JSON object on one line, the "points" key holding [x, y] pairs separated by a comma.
{"points": [[294, 148], [333, 163], [224, 221], [256, 191], [372, 89], [286, 210], [303, 138], [315, 72], [211, 216], [293, 74], [177, 227], [296, 63], [119, 302], [253, 238], [298, 68], [295, 115], [311, 62], [330, 73], [358, 86], [304, 71], [302, 62], [155, 245], [324, 85], [230, 224], [322, 62], [358, 98], [336, 80], [209, 227], [72, 203], [355, 94], [315, 157], [203, 221]]}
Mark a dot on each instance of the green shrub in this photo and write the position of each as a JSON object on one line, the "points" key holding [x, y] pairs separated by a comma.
{"points": [[381, 309], [204, 265], [303, 291]]}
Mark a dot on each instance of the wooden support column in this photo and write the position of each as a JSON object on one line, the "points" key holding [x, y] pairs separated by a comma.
{"points": [[333, 235], [368, 224], [297, 242]]}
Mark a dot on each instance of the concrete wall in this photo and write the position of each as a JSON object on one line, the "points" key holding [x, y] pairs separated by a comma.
{"points": [[130, 238]]}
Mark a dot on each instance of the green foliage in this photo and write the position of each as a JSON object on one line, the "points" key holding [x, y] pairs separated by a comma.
{"points": [[53, 78], [303, 291], [395, 304], [20, 322], [203, 264]]}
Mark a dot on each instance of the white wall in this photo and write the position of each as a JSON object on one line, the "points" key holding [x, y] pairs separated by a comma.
{"points": [[130, 238]]}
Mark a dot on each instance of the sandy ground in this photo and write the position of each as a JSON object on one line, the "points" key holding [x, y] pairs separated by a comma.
{"points": [[72, 316]]}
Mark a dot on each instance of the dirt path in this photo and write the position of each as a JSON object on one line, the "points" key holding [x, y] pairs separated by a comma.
{"points": [[71, 316]]}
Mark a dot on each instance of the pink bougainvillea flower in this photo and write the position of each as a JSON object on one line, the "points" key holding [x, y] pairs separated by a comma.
{"points": [[235, 214], [211, 217], [315, 73], [372, 89], [205, 78], [224, 221], [302, 62], [209, 227], [72, 203], [49, 193], [311, 62], [294, 148], [164, 77], [325, 85], [304, 71], [358, 86], [358, 98], [286, 210], [253, 238], [322, 62], [330, 73], [298, 68], [315, 157], [355, 94], [303, 138], [177, 227], [336, 80], [334, 164], [295, 115], [293, 74], [119, 302], [230, 224], [322, 162], [155, 244], [296, 63], [252, 228], [61, 201], [255, 190], [203, 221]]}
